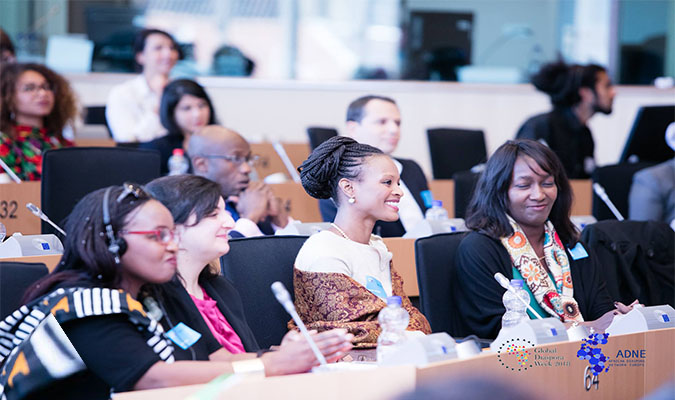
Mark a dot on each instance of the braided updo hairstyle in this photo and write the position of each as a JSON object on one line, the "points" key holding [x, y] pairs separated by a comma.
{"points": [[336, 158]]}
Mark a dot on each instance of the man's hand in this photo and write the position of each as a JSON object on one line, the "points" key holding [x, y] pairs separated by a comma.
{"points": [[278, 211], [254, 202]]}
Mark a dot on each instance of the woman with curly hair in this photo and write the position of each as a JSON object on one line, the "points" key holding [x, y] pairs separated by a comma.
{"points": [[31, 118]]}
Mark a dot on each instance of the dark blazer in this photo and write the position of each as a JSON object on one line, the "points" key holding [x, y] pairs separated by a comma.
{"points": [[179, 306], [477, 307], [414, 179], [569, 139]]}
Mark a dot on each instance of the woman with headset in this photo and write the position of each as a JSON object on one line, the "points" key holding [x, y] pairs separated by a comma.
{"points": [[120, 242]]}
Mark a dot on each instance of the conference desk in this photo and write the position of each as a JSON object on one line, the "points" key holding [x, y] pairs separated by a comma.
{"points": [[565, 378], [15, 216]]}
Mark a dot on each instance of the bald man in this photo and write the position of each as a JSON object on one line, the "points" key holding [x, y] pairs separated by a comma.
{"points": [[224, 156]]}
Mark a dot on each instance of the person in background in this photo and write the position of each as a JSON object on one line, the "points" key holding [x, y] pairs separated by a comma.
{"points": [[652, 195], [200, 296], [376, 121], [184, 109], [132, 110], [347, 263], [224, 156], [520, 227], [7, 53], [120, 243], [37, 104], [577, 92]]}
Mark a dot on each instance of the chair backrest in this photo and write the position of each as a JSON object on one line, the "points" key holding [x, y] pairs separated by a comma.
{"points": [[453, 150], [637, 259], [15, 278], [616, 179], [435, 258], [465, 184], [318, 135], [69, 174], [253, 264]]}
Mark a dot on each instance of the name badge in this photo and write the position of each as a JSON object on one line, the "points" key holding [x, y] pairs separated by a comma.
{"points": [[578, 252], [375, 287], [427, 198], [183, 336]]}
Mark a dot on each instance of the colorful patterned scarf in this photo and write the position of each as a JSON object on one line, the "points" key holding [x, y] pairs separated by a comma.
{"points": [[34, 350], [332, 300], [554, 297]]}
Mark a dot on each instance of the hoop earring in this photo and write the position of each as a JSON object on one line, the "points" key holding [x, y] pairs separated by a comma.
{"points": [[352, 200]]}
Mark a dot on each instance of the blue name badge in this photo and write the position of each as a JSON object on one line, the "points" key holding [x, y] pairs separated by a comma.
{"points": [[183, 336], [375, 287], [427, 198], [578, 252]]}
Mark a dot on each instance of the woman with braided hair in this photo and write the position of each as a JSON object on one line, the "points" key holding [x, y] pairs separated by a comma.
{"points": [[343, 275]]}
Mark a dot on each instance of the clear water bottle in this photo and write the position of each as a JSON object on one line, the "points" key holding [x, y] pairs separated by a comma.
{"points": [[515, 309], [393, 320], [436, 212], [178, 163]]}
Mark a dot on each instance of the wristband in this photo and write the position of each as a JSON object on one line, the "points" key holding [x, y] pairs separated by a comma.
{"points": [[252, 367]]}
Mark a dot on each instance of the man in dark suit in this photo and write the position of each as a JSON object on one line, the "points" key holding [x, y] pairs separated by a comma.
{"points": [[376, 120]]}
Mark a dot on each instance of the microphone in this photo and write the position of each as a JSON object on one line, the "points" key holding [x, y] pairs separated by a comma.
{"points": [[279, 148], [284, 298], [38, 213], [600, 191], [506, 284], [9, 172]]}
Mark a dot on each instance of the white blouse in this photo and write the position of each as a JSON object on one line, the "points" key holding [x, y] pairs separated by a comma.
{"points": [[131, 112], [326, 251]]}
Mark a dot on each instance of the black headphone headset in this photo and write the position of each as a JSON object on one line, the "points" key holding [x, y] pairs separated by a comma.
{"points": [[116, 245]]}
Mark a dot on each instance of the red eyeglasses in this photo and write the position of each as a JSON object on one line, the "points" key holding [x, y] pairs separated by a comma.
{"points": [[162, 235]]}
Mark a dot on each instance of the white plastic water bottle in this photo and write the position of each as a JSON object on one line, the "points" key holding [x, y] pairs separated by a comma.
{"points": [[436, 212], [393, 320], [178, 163], [515, 309]]}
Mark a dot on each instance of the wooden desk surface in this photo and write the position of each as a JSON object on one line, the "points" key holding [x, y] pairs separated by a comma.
{"points": [[13, 211], [565, 381], [403, 251]]}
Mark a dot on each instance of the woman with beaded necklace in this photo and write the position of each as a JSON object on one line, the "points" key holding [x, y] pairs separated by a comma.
{"points": [[343, 275]]}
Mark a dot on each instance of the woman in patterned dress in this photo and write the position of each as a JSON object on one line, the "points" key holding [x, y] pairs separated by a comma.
{"points": [[36, 105]]}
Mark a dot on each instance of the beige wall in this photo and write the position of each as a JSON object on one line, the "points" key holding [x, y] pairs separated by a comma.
{"points": [[283, 109]]}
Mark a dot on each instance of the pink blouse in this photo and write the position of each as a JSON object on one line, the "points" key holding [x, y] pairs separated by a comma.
{"points": [[218, 325]]}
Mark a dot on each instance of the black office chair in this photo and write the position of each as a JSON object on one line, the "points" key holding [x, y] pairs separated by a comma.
{"points": [[15, 279], [454, 150], [465, 184], [69, 174], [253, 264], [435, 258], [95, 115], [637, 259], [318, 135], [616, 179]]}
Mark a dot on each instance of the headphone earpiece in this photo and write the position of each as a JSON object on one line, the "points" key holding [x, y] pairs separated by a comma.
{"points": [[116, 245]]}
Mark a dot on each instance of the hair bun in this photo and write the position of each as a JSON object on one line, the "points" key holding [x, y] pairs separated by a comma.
{"points": [[319, 171]]}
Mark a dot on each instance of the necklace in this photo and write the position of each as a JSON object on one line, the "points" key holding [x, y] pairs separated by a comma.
{"points": [[344, 235]]}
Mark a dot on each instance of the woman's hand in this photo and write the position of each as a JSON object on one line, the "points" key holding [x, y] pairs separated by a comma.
{"points": [[295, 355], [602, 323]]}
